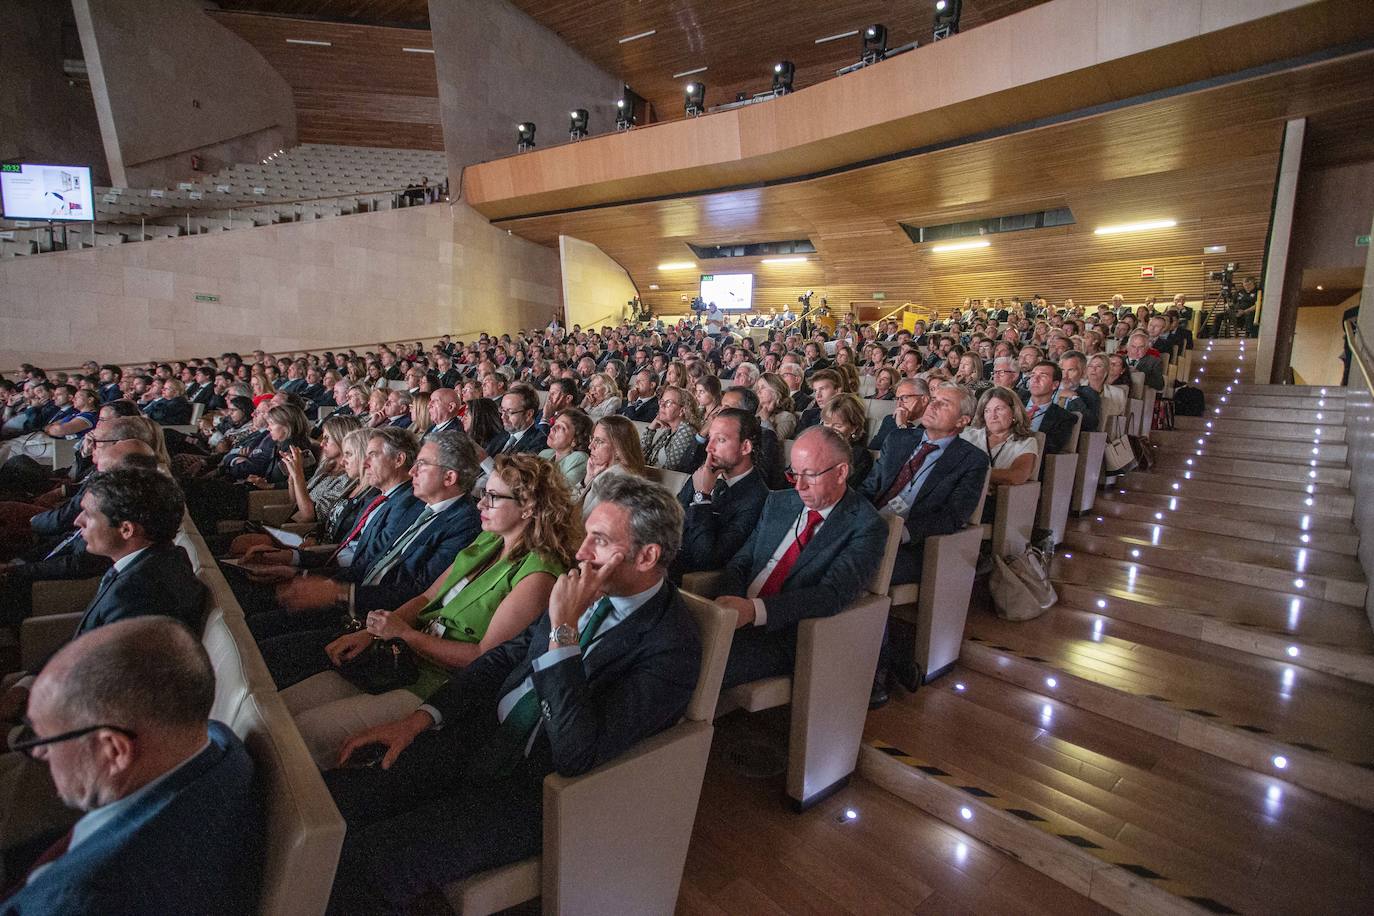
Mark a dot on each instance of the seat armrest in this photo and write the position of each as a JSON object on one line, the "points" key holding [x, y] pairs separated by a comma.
{"points": [[705, 584], [40, 637], [276, 514], [63, 596], [1015, 518]]}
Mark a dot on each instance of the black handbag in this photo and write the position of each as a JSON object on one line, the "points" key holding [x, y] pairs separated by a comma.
{"points": [[386, 664]]}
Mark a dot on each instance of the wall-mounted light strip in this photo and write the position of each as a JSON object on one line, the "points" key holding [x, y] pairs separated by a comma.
{"points": [[1136, 227], [677, 265], [689, 72], [630, 38], [418, 50], [961, 246], [850, 34], [310, 41], [797, 260]]}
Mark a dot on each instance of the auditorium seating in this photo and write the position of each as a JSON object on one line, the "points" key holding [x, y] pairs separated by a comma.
{"points": [[615, 838]]}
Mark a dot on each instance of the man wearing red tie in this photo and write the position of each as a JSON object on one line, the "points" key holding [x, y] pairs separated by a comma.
{"points": [[1046, 416], [814, 550]]}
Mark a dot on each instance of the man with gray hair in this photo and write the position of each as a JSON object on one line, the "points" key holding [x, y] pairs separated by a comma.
{"points": [[614, 661], [746, 374], [169, 806], [912, 395]]}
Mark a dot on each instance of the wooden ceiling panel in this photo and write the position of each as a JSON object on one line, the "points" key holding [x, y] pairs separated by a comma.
{"points": [[362, 90], [406, 13]]}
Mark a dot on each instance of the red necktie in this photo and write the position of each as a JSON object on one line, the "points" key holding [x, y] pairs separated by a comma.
{"points": [[52, 853], [1030, 414], [773, 584], [362, 520], [907, 472]]}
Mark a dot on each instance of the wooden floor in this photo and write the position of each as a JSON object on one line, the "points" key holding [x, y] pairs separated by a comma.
{"points": [[750, 854], [1191, 728]]}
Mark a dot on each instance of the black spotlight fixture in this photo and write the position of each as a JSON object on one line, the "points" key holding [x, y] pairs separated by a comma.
{"points": [[875, 43], [696, 99], [784, 71], [627, 109], [577, 125], [947, 17], [525, 139]]}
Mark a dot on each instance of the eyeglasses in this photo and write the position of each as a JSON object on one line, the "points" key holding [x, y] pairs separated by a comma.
{"points": [[422, 463], [27, 740], [809, 476], [94, 442], [511, 413], [490, 499]]}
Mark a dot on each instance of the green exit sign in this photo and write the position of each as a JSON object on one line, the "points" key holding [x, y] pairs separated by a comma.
{"points": [[1362, 241], [206, 297], [11, 167]]}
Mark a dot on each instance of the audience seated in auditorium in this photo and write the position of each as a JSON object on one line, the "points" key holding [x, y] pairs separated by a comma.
{"points": [[569, 441], [614, 450], [584, 684], [1001, 429], [1046, 416], [724, 497]]}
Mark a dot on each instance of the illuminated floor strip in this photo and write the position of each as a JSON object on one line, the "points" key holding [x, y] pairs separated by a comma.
{"points": [[1052, 824]]}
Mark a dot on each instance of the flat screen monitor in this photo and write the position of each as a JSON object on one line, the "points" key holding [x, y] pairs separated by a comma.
{"points": [[44, 192], [730, 292]]}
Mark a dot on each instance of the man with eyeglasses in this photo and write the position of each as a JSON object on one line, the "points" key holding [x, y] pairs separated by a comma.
{"points": [[393, 569], [912, 396], [519, 412], [815, 548], [166, 798]]}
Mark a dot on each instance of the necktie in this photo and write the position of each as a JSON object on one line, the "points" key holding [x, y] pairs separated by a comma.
{"points": [[908, 471], [510, 443], [362, 520], [66, 542], [719, 490], [393, 554], [508, 744], [1032, 411], [774, 582]]}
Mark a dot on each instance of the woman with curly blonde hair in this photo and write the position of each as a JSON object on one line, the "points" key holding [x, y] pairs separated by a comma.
{"points": [[495, 588]]}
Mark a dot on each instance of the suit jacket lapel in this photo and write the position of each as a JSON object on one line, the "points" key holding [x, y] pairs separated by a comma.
{"points": [[836, 527], [776, 531], [943, 465]]}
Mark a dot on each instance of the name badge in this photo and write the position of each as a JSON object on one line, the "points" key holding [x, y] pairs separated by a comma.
{"points": [[436, 627], [898, 506], [453, 592]]}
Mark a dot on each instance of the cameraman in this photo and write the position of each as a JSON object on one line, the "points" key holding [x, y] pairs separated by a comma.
{"points": [[1246, 306]]}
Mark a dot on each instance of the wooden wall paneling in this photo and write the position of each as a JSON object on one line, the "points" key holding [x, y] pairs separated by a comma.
{"points": [[411, 13], [363, 90]]}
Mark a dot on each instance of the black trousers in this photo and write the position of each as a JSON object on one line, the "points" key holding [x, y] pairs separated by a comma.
{"points": [[293, 657], [419, 826]]}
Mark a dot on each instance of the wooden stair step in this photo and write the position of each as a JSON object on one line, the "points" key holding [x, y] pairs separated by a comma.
{"points": [[1181, 440], [1302, 520], [1275, 469], [1252, 530], [1307, 487], [1303, 726], [1338, 504], [1209, 823], [1224, 409], [1265, 429]]}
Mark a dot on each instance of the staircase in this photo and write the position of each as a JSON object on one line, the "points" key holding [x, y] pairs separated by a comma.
{"points": [[1191, 728]]}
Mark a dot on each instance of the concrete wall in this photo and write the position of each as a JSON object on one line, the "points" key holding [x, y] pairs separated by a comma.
{"points": [[594, 285], [498, 67], [169, 82], [1359, 423], [412, 273], [46, 117], [1317, 344]]}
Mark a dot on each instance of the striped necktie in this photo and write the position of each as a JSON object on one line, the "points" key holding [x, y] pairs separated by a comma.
{"points": [[393, 554]]}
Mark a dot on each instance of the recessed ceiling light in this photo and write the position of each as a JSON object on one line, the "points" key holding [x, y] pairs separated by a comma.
{"points": [[629, 38], [308, 41], [653, 286], [1136, 227], [418, 50], [796, 260], [677, 265], [962, 246], [1319, 286], [689, 72]]}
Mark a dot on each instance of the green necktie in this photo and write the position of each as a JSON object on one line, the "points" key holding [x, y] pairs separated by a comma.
{"points": [[508, 744], [388, 559]]}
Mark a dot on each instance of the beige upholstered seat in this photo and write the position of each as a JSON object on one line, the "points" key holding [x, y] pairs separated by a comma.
{"points": [[1056, 487], [304, 828], [1092, 450], [615, 839], [828, 689], [938, 604], [672, 481]]}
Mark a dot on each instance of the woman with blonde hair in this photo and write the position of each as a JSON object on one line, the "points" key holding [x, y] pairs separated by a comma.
{"points": [[670, 441], [420, 423], [1113, 397], [613, 449], [846, 415], [495, 588], [776, 411], [676, 375], [602, 398]]}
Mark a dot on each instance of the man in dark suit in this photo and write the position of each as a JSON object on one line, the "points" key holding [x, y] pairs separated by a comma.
{"points": [[913, 394], [825, 384], [1073, 395], [583, 685], [519, 417], [1047, 417], [641, 403], [814, 550], [172, 408], [168, 798], [1139, 359], [408, 552], [110, 377], [929, 476], [724, 497], [443, 410]]}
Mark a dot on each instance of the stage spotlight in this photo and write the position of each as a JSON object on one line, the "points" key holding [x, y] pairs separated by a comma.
{"points": [[627, 108], [875, 43], [525, 139], [784, 71], [577, 125], [947, 17], [696, 99]]}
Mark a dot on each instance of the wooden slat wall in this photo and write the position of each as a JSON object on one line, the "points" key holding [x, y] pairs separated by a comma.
{"points": [[363, 90]]}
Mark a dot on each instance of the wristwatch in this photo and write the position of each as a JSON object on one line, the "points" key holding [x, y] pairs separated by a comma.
{"points": [[565, 634]]}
